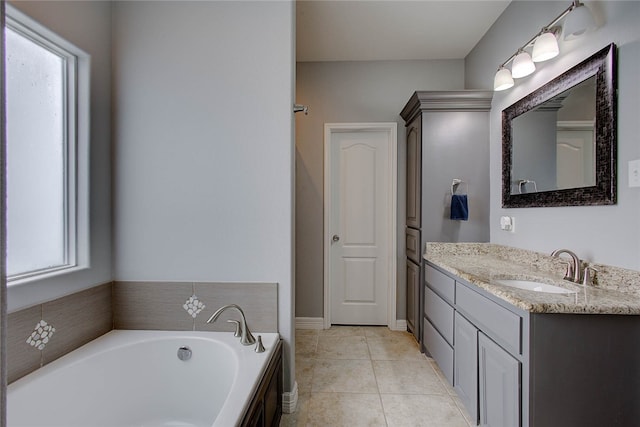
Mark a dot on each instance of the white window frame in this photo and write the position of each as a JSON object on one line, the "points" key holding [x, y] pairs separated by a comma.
{"points": [[77, 131]]}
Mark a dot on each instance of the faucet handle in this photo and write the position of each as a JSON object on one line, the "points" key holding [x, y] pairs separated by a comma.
{"points": [[259, 347], [568, 275], [237, 333], [588, 275]]}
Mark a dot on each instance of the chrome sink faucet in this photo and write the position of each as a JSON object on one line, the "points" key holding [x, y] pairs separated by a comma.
{"points": [[573, 267], [246, 337]]}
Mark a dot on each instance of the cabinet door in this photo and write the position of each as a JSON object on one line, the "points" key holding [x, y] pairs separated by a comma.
{"points": [[465, 365], [499, 385], [413, 283], [414, 173]]}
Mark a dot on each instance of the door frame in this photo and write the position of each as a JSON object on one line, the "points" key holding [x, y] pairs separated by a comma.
{"points": [[391, 129]]}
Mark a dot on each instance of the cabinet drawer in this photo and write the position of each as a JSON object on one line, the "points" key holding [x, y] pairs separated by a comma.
{"points": [[494, 320], [439, 349], [413, 245], [440, 314], [441, 283]]}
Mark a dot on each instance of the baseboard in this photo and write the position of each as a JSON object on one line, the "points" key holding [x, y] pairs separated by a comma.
{"points": [[401, 325], [290, 400], [309, 323], [318, 323]]}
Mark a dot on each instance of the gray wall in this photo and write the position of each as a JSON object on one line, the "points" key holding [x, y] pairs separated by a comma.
{"points": [[203, 145], [86, 24], [350, 92], [455, 145], [603, 234]]}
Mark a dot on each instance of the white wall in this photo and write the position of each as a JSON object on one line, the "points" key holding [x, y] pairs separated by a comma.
{"points": [[337, 92], [87, 25], [604, 234], [203, 145]]}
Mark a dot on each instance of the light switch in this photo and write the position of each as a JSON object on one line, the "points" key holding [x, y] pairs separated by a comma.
{"points": [[634, 173]]}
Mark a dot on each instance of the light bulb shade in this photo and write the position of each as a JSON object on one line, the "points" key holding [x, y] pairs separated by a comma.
{"points": [[545, 47], [579, 21], [522, 65], [502, 80]]}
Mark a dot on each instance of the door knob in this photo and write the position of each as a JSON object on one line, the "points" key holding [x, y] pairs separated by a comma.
{"points": [[335, 238]]}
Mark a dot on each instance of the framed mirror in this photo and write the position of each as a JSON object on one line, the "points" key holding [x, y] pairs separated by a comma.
{"points": [[559, 142]]}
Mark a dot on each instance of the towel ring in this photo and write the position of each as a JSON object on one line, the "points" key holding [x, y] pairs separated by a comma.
{"points": [[456, 182], [524, 182]]}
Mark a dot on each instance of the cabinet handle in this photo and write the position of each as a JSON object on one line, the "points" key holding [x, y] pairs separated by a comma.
{"points": [[335, 238]]}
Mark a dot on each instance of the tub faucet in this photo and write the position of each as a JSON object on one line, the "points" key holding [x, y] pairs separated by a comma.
{"points": [[573, 266], [246, 338]]}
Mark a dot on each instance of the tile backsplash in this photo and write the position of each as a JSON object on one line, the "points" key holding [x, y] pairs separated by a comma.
{"points": [[41, 334], [188, 305]]}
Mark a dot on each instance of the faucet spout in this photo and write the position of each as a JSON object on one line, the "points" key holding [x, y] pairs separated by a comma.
{"points": [[246, 337], [573, 267]]}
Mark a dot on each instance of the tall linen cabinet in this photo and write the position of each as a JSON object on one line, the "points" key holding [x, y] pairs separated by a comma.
{"points": [[447, 138]]}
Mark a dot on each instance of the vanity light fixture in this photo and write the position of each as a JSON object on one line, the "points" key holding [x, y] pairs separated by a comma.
{"points": [[522, 65], [578, 21], [503, 79], [546, 45]]}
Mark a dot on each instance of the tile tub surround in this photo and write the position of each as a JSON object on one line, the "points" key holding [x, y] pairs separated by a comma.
{"points": [[58, 327], [176, 306], [369, 376], [615, 291]]}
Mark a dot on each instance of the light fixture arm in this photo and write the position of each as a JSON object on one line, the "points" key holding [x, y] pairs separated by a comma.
{"points": [[549, 27]]}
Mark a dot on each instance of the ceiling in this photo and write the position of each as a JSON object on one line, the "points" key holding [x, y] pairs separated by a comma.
{"points": [[365, 30]]}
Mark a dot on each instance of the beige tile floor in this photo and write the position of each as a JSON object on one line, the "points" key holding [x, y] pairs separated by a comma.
{"points": [[369, 376]]}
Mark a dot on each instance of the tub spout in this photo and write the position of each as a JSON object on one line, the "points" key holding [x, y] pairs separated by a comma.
{"points": [[246, 338]]}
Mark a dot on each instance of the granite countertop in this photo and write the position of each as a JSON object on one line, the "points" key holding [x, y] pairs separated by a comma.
{"points": [[481, 264]]}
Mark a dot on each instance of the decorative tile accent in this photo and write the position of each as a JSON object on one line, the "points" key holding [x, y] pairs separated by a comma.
{"points": [[194, 306], [41, 335]]}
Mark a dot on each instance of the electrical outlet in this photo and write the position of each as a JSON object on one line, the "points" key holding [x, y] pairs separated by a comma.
{"points": [[507, 223], [634, 173]]}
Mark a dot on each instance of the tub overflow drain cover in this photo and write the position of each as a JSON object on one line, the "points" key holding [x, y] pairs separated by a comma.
{"points": [[184, 353]]}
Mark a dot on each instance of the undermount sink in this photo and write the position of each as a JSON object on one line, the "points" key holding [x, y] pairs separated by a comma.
{"points": [[530, 285]]}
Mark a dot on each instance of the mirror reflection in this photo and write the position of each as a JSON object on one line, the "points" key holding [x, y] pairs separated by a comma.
{"points": [[554, 143]]}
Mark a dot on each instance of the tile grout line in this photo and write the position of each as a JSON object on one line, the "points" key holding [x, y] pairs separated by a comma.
{"points": [[41, 351], [193, 292], [375, 377]]}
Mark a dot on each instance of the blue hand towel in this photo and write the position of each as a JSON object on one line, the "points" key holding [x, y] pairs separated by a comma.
{"points": [[459, 208]]}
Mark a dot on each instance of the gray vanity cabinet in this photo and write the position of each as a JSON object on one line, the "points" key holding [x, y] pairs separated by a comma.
{"points": [[499, 385], [513, 368]]}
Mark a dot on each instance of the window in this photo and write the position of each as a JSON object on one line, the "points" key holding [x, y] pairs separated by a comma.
{"points": [[47, 145]]}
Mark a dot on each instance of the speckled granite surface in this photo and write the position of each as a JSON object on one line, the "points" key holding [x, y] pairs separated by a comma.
{"points": [[614, 291]]}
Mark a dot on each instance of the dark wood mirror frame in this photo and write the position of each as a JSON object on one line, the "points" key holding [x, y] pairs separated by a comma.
{"points": [[602, 65]]}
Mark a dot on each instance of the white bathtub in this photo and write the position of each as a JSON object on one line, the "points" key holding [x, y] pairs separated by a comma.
{"points": [[135, 378]]}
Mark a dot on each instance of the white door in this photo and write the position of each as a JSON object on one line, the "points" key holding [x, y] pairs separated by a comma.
{"points": [[361, 225], [575, 157]]}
